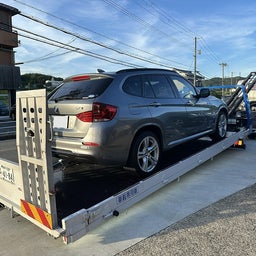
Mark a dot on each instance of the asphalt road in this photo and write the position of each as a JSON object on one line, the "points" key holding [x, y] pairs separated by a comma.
{"points": [[227, 227]]}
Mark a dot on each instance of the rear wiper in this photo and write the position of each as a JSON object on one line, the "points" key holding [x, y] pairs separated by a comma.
{"points": [[70, 97], [91, 96]]}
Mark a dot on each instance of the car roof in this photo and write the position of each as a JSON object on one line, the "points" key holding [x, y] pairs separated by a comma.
{"points": [[130, 70], [102, 73]]}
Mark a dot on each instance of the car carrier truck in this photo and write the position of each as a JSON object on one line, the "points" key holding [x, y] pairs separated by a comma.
{"points": [[28, 187]]}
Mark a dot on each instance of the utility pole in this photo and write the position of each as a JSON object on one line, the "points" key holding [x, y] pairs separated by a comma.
{"points": [[223, 65], [195, 55], [195, 51]]}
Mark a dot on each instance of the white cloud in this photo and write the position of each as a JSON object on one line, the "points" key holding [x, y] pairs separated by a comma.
{"points": [[227, 36]]}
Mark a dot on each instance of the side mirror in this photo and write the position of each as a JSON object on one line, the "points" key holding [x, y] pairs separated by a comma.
{"points": [[204, 93]]}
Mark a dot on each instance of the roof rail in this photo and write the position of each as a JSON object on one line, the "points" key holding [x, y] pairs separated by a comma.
{"points": [[144, 69]]}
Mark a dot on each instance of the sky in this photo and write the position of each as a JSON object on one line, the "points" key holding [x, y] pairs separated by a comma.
{"points": [[113, 35]]}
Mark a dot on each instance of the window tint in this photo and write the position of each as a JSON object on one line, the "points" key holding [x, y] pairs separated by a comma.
{"points": [[81, 89], [160, 86], [185, 89], [148, 91], [133, 86]]}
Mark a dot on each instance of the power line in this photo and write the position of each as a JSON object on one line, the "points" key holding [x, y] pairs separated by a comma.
{"points": [[172, 22], [164, 17], [42, 58], [48, 55], [135, 56], [104, 36], [74, 49], [81, 51], [134, 17]]}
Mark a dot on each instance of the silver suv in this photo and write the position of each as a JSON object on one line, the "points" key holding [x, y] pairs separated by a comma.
{"points": [[131, 116]]}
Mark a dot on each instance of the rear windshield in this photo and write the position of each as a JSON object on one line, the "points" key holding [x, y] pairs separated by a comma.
{"points": [[81, 89]]}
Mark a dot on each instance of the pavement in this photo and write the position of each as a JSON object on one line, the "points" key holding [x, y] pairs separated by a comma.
{"points": [[209, 211], [227, 227]]}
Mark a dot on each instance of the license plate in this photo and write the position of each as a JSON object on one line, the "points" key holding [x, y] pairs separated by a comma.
{"points": [[6, 174], [60, 121]]}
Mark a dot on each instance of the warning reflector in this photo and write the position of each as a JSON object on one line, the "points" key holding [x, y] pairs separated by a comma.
{"points": [[37, 213], [239, 144]]}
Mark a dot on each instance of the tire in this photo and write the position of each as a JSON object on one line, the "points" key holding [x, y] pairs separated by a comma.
{"points": [[145, 154], [221, 127]]}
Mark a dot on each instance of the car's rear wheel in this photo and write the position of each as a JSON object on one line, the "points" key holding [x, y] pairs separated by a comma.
{"points": [[145, 153], [221, 127]]}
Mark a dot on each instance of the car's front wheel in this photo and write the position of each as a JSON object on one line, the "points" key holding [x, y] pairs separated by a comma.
{"points": [[145, 153], [221, 127]]}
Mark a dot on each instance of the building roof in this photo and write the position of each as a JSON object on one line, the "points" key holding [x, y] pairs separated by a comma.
{"points": [[10, 9], [189, 73]]}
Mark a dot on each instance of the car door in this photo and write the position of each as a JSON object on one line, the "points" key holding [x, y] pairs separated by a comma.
{"points": [[166, 109], [199, 111]]}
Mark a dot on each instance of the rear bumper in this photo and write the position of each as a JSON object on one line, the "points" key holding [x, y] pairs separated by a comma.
{"points": [[73, 148]]}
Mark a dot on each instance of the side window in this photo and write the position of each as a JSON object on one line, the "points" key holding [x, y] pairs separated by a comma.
{"points": [[184, 88], [161, 86], [133, 86], [148, 92]]}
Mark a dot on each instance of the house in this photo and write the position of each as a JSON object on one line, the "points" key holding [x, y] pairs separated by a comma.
{"points": [[189, 75]]}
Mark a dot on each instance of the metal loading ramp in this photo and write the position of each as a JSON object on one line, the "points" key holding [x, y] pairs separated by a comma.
{"points": [[28, 188], [241, 91]]}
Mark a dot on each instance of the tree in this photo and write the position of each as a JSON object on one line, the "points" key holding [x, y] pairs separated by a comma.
{"points": [[35, 81]]}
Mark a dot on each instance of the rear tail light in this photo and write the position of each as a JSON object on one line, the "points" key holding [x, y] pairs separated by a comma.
{"points": [[100, 113], [85, 116]]}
